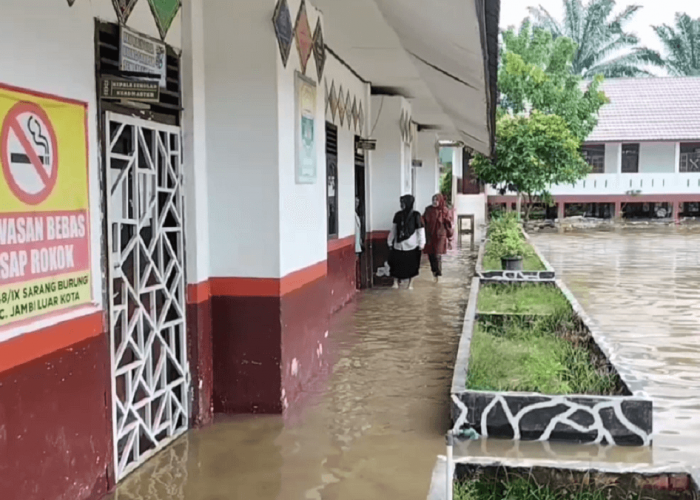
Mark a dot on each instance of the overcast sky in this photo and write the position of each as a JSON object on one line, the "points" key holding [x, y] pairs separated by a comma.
{"points": [[653, 12]]}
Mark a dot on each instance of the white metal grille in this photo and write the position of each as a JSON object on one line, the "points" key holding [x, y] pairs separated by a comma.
{"points": [[150, 373]]}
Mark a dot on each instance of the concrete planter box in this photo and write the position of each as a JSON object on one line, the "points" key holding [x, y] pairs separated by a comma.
{"points": [[548, 275], [667, 482], [619, 485], [624, 419]]}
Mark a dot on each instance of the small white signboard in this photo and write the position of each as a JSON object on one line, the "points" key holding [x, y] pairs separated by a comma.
{"points": [[142, 54]]}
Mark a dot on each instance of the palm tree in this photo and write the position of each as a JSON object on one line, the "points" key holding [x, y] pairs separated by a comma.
{"points": [[682, 44], [604, 47]]}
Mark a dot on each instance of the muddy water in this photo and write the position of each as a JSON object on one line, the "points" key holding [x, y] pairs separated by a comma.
{"points": [[370, 428], [642, 286]]}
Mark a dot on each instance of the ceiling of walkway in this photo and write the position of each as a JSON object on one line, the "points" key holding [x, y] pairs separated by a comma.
{"points": [[430, 52]]}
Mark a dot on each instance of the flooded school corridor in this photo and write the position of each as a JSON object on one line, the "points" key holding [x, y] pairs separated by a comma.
{"points": [[370, 428], [641, 285]]}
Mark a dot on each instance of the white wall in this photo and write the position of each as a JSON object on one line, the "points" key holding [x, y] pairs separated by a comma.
{"points": [[657, 157], [302, 207], [261, 222], [50, 48], [473, 204], [427, 176], [457, 170], [406, 157], [242, 138], [613, 158], [386, 186], [140, 19], [337, 75], [195, 145]]}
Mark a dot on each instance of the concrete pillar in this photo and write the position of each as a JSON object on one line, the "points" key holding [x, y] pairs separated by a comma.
{"points": [[194, 134], [388, 161], [618, 158], [391, 176], [457, 167], [426, 176], [677, 209], [561, 211], [267, 231], [613, 158], [617, 215]]}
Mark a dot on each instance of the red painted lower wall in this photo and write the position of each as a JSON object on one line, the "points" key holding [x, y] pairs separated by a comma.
{"points": [[55, 425], [342, 272], [268, 335], [199, 354], [246, 333], [305, 319]]}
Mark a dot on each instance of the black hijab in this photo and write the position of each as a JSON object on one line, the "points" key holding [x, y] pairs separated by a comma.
{"points": [[407, 220]]}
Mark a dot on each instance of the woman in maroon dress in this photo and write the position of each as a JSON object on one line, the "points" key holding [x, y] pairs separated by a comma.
{"points": [[438, 233]]}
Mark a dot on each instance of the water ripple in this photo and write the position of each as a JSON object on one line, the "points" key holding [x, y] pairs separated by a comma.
{"points": [[641, 287]]}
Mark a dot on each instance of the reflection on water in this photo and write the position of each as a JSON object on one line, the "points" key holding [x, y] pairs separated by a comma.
{"points": [[642, 287], [370, 429]]}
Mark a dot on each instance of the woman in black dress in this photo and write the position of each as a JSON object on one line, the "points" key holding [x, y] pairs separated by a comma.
{"points": [[406, 242]]}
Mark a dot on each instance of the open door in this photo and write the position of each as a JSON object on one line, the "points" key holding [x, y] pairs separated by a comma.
{"points": [[364, 260]]}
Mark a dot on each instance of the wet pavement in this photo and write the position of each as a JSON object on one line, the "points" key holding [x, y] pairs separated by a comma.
{"points": [[642, 287], [370, 428]]}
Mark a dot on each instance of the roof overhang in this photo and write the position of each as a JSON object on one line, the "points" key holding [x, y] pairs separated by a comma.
{"points": [[442, 56]]}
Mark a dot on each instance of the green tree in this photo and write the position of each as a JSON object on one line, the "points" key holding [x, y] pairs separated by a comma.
{"points": [[682, 47], [446, 184], [535, 73], [546, 112], [603, 45], [532, 154]]}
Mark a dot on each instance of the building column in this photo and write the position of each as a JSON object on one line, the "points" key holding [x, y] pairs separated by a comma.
{"points": [[457, 167], [618, 211], [267, 225], [427, 184], [618, 158], [561, 211], [677, 209], [388, 177], [199, 326]]}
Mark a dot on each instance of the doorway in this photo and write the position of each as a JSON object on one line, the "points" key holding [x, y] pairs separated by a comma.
{"points": [[146, 273], [364, 262]]}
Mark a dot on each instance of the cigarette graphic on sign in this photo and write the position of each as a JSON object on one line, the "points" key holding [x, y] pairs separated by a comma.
{"points": [[45, 264], [30, 159]]}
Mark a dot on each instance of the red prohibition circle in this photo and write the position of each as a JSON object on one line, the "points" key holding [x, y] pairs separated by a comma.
{"points": [[11, 122]]}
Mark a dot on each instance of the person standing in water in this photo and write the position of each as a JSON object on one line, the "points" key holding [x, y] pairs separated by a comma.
{"points": [[406, 242], [439, 232]]}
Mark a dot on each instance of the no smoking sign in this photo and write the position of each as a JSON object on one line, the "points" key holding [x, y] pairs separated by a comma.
{"points": [[29, 153]]}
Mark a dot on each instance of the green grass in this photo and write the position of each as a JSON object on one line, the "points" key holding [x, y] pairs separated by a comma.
{"points": [[528, 298], [522, 489], [530, 263], [533, 355]]}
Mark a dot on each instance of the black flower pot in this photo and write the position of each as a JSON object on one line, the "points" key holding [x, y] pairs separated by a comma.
{"points": [[512, 263]]}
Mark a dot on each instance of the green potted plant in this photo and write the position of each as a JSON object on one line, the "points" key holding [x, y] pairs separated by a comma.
{"points": [[509, 245]]}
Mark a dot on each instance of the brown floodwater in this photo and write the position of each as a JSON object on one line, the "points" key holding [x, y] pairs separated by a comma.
{"points": [[370, 428], [642, 287]]}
